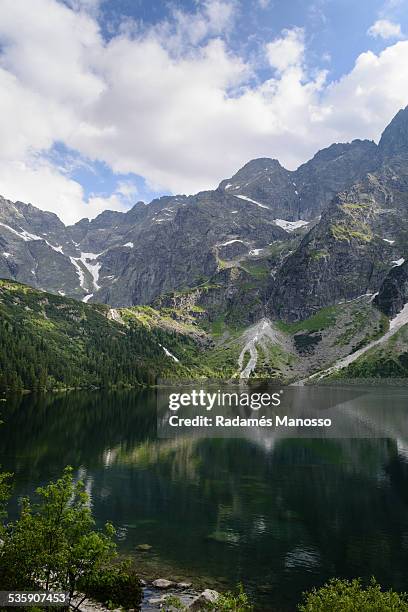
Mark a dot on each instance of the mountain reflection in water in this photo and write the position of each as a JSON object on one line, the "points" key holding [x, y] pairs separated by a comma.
{"points": [[280, 515]]}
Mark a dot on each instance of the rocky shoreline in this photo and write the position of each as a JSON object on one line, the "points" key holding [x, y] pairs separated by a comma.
{"points": [[157, 595]]}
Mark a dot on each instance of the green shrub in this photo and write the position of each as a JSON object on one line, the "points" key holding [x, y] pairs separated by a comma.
{"points": [[351, 596], [53, 543], [116, 584], [232, 601]]}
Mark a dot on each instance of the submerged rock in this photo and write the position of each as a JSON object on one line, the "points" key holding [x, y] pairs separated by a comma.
{"points": [[157, 600], [162, 583], [144, 547]]}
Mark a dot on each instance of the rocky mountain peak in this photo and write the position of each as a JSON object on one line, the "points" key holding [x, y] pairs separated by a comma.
{"points": [[338, 149], [394, 139], [253, 169]]}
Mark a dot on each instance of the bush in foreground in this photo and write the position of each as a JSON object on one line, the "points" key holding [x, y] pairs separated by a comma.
{"points": [[232, 601], [351, 596], [54, 545]]}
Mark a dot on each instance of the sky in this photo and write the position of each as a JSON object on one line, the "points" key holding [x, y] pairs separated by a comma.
{"points": [[107, 102]]}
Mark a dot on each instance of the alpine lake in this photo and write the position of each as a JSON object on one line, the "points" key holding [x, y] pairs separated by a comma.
{"points": [[281, 515]]}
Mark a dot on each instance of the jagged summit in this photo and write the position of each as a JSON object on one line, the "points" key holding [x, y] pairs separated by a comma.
{"points": [[394, 139]]}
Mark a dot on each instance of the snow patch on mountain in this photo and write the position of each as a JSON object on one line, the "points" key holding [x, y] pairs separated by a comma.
{"points": [[28, 237], [79, 271], [169, 354], [93, 268], [243, 197], [290, 226], [398, 262], [231, 242]]}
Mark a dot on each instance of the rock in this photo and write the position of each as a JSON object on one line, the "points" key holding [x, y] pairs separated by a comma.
{"points": [[157, 600], [393, 293], [184, 585], [206, 597], [144, 547], [162, 583], [223, 537]]}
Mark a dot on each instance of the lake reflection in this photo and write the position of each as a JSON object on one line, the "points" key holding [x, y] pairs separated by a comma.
{"points": [[279, 515]]}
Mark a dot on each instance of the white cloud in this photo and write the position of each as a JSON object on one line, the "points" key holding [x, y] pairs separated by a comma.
{"points": [[383, 28], [39, 183], [287, 50], [171, 103], [389, 6], [88, 6], [213, 18], [264, 3], [127, 189]]}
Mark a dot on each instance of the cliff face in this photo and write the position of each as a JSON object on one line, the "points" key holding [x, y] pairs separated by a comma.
{"points": [[360, 237], [393, 293]]}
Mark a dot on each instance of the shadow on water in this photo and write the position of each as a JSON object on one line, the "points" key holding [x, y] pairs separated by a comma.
{"points": [[280, 516]]}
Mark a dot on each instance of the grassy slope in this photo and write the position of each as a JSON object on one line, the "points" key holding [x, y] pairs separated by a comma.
{"points": [[387, 360]]}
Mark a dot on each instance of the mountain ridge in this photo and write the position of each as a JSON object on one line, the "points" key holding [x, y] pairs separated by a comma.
{"points": [[326, 232]]}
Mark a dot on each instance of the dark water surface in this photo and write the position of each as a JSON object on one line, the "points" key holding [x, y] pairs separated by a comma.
{"points": [[279, 515]]}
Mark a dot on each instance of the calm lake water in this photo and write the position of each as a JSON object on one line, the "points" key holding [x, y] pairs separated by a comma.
{"points": [[279, 515]]}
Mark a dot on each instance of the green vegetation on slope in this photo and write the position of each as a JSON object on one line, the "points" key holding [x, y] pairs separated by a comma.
{"points": [[324, 318], [386, 360], [51, 342]]}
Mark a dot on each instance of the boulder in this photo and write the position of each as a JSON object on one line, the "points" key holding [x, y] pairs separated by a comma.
{"points": [[206, 597]]}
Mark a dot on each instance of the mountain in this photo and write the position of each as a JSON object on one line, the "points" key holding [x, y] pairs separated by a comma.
{"points": [[278, 273], [175, 241], [394, 139], [360, 237]]}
